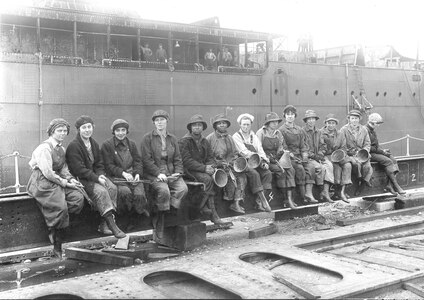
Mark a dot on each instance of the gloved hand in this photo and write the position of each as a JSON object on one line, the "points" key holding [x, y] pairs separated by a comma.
{"points": [[272, 160]]}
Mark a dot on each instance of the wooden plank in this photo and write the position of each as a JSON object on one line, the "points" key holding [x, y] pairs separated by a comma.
{"points": [[297, 287], [99, 257], [380, 261], [263, 231], [414, 288], [415, 254], [401, 212]]}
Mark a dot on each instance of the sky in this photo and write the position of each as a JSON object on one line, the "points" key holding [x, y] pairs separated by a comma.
{"points": [[331, 23]]}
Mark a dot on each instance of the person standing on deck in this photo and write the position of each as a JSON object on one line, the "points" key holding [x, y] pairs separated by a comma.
{"points": [[343, 169], [295, 138], [198, 163], [259, 179], [86, 163], [161, 54], [224, 152], [274, 146], [355, 137], [383, 156], [324, 174], [52, 185], [124, 167]]}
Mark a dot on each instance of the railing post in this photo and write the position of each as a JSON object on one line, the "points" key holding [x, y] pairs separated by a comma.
{"points": [[407, 145], [17, 185]]}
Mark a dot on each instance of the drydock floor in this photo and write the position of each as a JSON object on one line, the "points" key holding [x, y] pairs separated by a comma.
{"points": [[381, 258]]}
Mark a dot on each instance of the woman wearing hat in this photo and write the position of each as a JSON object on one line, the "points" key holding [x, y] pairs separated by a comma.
{"points": [[342, 170], [355, 137], [163, 165], [247, 144], [86, 163], [383, 156], [324, 175], [124, 167], [274, 146], [295, 138], [52, 185], [198, 163], [224, 153]]}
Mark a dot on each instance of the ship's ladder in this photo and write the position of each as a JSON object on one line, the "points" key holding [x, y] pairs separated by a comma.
{"points": [[360, 102]]}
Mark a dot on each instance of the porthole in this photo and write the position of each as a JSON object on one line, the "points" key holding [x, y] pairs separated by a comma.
{"points": [[334, 93], [385, 94], [254, 91], [377, 94], [316, 92], [297, 92], [360, 93], [276, 91], [413, 94], [352, 93], [400, 94]]}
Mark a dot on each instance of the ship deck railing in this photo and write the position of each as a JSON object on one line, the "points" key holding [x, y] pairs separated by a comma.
{"points": [[48, 59]]}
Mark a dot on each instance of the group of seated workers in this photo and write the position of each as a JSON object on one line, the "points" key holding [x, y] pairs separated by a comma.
{"points": [[111, 177]]}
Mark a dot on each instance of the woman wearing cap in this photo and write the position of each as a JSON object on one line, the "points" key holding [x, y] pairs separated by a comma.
{"points": [[198, 163], [224, 153], [52, 185], [295, 138], [247, 144], [342, 170], [355, 137], [124, 167], [383, 156], [86, 163], [274, 146], [163, 165], [323, 174]]}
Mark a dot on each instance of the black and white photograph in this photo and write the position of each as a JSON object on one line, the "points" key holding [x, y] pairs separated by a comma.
{"points": [[224, 149]]}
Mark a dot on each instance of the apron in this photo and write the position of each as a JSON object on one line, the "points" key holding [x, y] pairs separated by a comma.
{"points": [[50, 196]]}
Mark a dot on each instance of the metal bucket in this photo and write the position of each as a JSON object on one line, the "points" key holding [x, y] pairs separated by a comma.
{"points": [[240, 164], [339, 156], [254, 161], [362, 156], [284, 161], [220, 177]]}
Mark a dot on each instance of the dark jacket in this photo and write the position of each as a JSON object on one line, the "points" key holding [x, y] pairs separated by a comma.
{"points": [[331, 140], [194, 158], [375, 147], [80, 165], [315, 141], [151, 145], [113, 163]]}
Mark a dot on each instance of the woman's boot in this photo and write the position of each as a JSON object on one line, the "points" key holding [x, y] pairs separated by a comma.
{"points": [[110, 221], [235, 206], [56, 240], [302, 192], [264, 202], [325, 193], [214, 218], [289, 200], [203, 207], [343, 196], [396, 185], [389, 187], [308, 193]]}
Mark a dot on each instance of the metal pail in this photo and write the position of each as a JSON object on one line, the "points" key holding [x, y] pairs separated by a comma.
{"points": [[363, 156], [240, 164], [220, 177], [339, 156], [284, 161], [254, 161]]}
